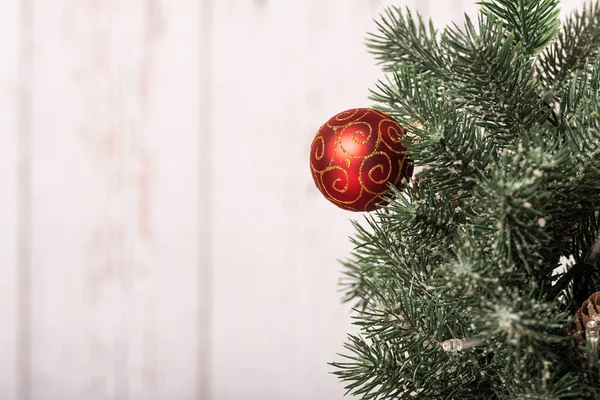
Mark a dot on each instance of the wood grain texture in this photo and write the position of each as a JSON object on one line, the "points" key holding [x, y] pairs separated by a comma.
{"points": [[281, 69], [567, 6], [446, 12], [115, 209], [10, 34], [161, 236]]}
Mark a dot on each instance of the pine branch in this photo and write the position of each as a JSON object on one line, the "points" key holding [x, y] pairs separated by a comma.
{"points": [[409, 95], [576, 44], [493, 79], [380, 257], [511, 184], [532, 23], [378, 369], [482, 72], [402, 39], [546, 385], [580, 110]]}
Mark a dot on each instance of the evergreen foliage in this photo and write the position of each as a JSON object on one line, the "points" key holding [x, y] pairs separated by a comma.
{"points": [[509, 139]]}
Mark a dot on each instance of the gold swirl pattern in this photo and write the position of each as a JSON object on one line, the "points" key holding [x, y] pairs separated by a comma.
{"points": [[355, 155]]}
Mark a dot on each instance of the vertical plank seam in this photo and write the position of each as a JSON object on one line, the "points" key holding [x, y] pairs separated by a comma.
{"points": [[205, 188], [24, 217]]}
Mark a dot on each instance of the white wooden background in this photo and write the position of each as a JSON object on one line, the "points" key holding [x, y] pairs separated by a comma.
{"points": [[160, 235]]}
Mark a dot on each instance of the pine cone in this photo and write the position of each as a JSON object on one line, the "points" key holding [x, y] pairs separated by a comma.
{"points": [[588, 310]]}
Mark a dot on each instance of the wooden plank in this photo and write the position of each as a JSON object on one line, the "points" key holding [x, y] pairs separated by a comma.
{"points": [[10, 35], [568, 6], [168, 211], [115, 210], [282, 71], [447, 12]]}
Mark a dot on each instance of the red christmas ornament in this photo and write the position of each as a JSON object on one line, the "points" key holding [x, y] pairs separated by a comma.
{"points": [[355, 155]]}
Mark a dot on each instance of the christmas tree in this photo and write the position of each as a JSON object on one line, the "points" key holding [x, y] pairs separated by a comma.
{"points": [[459, 283]]}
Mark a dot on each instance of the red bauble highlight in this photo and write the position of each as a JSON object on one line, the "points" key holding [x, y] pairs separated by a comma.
{"points": [[355, 155]]}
